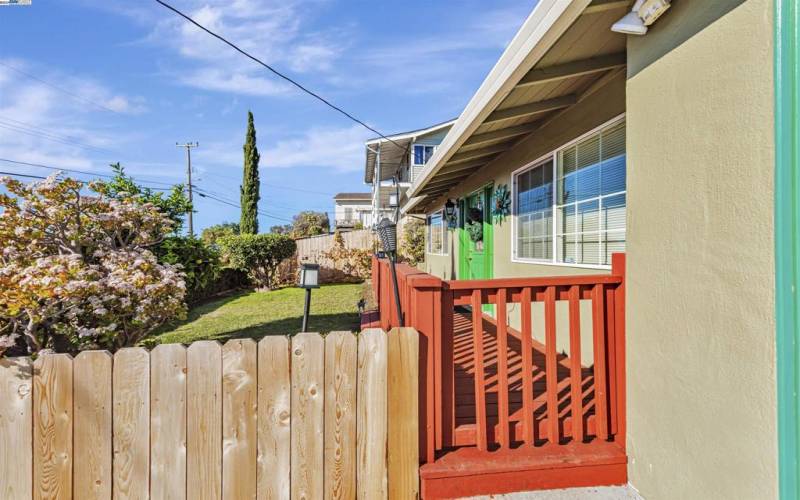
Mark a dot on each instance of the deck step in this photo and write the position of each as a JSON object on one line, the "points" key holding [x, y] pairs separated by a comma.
{"points": [[468, 472]]}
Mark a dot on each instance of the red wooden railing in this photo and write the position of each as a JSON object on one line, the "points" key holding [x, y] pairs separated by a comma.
{"points": [[557, 400]]}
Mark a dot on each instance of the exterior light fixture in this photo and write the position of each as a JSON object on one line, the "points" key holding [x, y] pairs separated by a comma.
{"points": [[643, 14], [309, 278], [387, 232], [450, 209]]}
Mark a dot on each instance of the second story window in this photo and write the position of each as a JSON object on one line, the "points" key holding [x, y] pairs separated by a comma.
{"points": [[422, 154]]}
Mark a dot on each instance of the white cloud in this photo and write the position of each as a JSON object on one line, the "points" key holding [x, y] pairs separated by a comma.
{"points": [[339, 149], [271, 30], [41, 124]]}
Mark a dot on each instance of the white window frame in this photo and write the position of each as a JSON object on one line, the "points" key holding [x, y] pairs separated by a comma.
{"points": [[414, 156], [553, 155], [445, 236]]}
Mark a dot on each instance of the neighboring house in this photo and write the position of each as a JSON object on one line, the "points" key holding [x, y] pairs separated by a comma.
{"points": [[353, 211], [393, 162], [663, 146]]}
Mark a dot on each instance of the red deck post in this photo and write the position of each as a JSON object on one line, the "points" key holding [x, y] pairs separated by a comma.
{"points": [[504, 439], [600, 353], [575, 368], [618, 269], [480, 376], [446, 418], [551, 364], [527, 369]]}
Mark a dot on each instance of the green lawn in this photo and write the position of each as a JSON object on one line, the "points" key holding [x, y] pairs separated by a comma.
{"points": [[279, 312]]}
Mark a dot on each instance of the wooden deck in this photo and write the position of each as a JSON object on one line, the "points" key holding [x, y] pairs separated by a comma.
{"points": [[500, 411], [465, 470]]}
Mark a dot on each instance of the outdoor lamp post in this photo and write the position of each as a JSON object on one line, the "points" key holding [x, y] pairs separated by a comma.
{"points": [[387, 232], [309, 278]]}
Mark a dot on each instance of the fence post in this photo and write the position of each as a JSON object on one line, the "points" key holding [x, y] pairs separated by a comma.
{"points": [[425, 314]]}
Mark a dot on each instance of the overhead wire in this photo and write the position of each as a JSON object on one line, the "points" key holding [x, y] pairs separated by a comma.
{"points": [[56, 87], [276, 72]]}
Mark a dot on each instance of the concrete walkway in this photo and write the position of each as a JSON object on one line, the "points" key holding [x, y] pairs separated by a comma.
{"points": [[594, 493]]}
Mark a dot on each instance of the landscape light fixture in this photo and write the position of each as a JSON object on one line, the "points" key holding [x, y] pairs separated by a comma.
{"points": [[387, 232], [309, 278]]}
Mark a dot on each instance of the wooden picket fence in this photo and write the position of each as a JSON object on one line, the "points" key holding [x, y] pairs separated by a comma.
{"points": [[302, 417]]}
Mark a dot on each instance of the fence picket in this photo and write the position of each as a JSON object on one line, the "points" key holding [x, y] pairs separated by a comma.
{"points": [[52, 430], [308, 397], [239, 419], [480, 373], [341, 352], [131, 393], [403, 414], [16, 427], [92, 372], [274, 419], [372, 360], [575, 368], [168, 422], [204, 421]]}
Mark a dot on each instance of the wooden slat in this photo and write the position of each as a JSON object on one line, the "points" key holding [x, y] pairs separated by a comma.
{"points": [[168, 422], [274, 419], [372, 360], [16, 427], [551, 362], [448, 371], [341, 354], [528, 435], [131, 389], [308, 379], [403, 414], [611, 357], [204, 421], [598, 328], [573, 69], [480, 381], [239, 419], [52, 430], [575, 368], [532, 108], [92, 431], [504, 437]]}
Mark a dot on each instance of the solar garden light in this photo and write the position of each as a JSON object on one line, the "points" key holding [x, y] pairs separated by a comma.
{"points": [[309, 278], [387, 232]]}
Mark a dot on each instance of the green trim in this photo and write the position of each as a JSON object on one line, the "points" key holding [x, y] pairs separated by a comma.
{"points": [[787, 242]]}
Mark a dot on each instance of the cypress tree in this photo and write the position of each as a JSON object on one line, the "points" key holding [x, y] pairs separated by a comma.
{"points": [[248, 224]]}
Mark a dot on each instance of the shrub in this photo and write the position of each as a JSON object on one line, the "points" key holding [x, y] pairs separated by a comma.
{"points": [[212, 234], [199, 263], [75, 269], [258, 254], [412, 244], [353, 262]]}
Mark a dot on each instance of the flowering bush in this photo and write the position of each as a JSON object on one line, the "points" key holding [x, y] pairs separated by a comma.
{"points": [[75, 271]]}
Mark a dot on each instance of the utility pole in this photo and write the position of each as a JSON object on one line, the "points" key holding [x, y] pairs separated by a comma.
{"points": [[189, 146]]}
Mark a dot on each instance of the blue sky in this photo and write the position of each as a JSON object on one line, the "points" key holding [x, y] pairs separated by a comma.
{"points": [[141, 79]]}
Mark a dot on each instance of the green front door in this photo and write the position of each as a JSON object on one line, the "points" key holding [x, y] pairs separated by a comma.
{"points": [[475, 236]]}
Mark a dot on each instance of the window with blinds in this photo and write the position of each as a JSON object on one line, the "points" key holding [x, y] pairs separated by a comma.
{"points": [[437, 233], [588, 202], [533, 198]]}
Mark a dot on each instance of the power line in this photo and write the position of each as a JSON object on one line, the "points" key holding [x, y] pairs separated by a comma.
{"points": [[56, 87], [83, 172], [234, 205], [276, 72], [29, 129]]}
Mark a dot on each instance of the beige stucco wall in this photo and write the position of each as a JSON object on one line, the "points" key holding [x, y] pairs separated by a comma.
{"points": [[700, 327]]}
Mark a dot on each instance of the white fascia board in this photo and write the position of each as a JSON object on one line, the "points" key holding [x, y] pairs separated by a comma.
{"points": [[548, 21]]}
